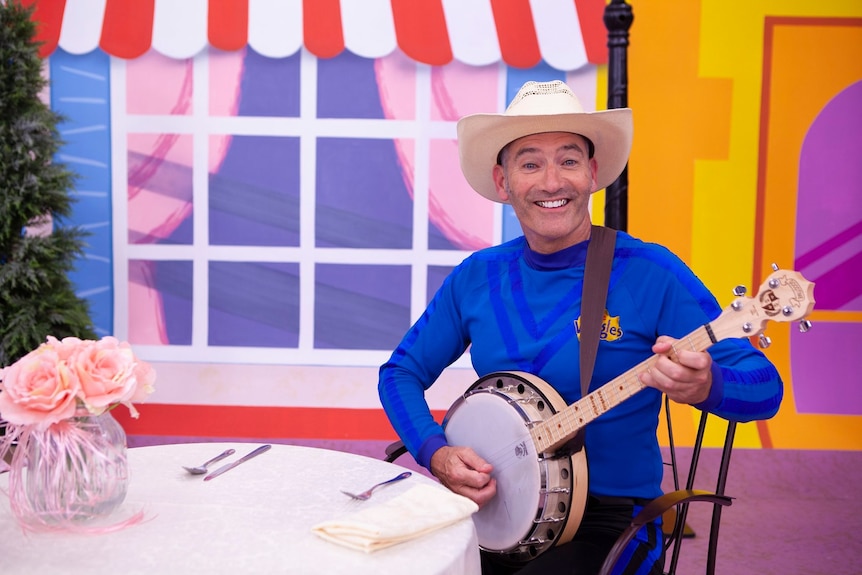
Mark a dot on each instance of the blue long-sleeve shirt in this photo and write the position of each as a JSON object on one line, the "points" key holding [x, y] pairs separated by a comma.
{"points": [[517, 310]]}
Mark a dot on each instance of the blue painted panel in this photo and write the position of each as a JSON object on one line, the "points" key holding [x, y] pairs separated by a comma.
{"points": [[80, 92]]}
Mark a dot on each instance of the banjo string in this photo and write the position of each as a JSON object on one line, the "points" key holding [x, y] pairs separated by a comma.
{"points": [[509, 454]]}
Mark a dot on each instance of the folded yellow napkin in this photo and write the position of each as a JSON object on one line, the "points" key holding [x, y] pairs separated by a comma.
{"points": [[419, 510]]}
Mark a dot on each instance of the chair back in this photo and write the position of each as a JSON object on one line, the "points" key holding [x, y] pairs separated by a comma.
{"points": [[676, 533]]}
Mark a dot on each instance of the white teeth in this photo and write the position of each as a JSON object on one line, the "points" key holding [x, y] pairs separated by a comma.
{"points": [[554, 204]]}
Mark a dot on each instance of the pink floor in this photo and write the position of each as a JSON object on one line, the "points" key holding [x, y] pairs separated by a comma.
{"points": [[794, 512]]}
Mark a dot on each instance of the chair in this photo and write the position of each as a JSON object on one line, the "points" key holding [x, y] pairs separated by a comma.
{"points": [[673, 506]]}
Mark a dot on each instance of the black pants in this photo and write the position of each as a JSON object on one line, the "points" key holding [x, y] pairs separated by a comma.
{"points": [[603, 522]]}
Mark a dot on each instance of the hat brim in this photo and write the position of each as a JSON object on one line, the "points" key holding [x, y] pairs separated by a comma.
{"points": [[482, 136]]}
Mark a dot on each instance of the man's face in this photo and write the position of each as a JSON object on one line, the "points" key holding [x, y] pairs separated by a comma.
{"points": [[548, 179]]}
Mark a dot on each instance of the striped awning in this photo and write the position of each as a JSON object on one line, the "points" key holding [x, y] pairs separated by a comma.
{"points": [[565, 34]]}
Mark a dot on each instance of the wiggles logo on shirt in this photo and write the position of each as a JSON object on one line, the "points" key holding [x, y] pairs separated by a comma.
{"points": [[611, 330]]}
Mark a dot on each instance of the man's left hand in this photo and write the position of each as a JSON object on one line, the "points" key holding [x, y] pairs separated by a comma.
{"points": [[684, 375]]}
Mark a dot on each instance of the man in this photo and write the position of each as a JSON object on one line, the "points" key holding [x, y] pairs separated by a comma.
{"points": [[517, 306]]}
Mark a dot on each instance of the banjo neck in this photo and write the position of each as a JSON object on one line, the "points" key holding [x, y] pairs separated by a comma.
{"points": [[540, 500], [552, 433], [784, 296]]}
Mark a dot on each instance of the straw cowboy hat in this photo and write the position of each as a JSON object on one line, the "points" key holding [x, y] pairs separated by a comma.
{"points": [[537, 108]]}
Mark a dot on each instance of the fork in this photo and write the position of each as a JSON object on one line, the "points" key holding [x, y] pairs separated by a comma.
{"points": [[201, 469], [367, 493]]}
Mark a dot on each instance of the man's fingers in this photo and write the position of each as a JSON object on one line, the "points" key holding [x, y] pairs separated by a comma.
{"points": [[464, 472], [472, 460], [480, 496]]}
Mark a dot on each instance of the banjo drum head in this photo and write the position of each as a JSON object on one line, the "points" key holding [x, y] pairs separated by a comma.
{"points": [[496, 430]]}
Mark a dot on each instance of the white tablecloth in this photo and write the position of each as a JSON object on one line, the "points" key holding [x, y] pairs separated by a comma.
{"points": [[255, 518]]}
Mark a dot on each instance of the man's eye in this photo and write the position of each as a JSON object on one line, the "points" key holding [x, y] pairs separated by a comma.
{"points": [[530, 165]]}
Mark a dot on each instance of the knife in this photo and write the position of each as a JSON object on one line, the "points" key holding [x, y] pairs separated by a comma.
{"points": [[242, 459]]}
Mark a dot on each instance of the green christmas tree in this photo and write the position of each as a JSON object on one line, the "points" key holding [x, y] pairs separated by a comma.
{"points": [[37, 251]]}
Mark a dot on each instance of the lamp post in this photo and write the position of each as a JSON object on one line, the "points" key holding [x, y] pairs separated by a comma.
{"points": [[618, 19]]}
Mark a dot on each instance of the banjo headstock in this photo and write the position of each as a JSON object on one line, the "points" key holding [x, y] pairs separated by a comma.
{"points": [[784, 296]]}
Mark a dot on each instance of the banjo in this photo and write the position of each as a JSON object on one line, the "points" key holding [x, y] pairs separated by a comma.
{"points": [[517, 422]]}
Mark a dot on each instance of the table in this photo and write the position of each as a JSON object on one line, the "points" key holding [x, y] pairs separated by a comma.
{"points": [[255, 518]]}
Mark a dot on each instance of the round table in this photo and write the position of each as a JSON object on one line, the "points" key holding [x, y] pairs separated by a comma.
{"points": [[256, 518]]}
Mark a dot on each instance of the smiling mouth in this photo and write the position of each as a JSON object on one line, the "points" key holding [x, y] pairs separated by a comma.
{"points": [[553, 204]]}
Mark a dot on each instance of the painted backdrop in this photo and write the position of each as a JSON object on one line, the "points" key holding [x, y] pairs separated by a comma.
{"points": [[270, 212]]}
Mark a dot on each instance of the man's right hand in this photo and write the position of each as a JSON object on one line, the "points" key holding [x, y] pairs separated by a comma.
{"points": [[464, 472]]}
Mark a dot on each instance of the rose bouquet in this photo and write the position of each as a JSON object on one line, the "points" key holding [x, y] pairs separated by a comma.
{"points": [[70, 461]]}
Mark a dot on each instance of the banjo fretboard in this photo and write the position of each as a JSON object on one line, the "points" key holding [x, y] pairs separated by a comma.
{"points": [[553, 433]]}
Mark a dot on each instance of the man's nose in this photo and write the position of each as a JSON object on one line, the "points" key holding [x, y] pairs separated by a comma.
{"points": [[553, 178]]}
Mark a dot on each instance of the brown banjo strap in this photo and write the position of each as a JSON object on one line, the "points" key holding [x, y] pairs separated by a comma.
{"points": [[597, 275]]}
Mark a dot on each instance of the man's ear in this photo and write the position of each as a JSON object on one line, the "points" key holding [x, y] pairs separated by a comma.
{"points": [[594, 169], [500, 183]]}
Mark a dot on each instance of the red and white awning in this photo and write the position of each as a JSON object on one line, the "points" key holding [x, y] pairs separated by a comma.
{"points": [[566, 34]]}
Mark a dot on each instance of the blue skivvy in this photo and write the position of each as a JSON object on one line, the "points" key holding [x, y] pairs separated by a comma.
{"points": [[504, 303]]}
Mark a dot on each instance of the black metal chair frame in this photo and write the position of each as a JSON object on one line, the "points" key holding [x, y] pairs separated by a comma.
{"points": [[679, 500]]}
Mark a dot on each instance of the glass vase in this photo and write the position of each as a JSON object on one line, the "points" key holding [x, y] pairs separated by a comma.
{"points": [[75, 471]]}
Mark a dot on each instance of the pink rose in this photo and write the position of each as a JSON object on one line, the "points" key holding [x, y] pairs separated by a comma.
{"points": [[38, 389], [145, 377], [65, 347], [106, 371], [50, 383]]}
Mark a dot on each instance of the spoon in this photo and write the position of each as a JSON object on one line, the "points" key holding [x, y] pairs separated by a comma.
{"points": [[201, 469]]}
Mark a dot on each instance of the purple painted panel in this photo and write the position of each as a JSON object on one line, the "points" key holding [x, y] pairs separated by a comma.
{"points": [[347, 88], [827, 387], [270, 86], [360, 306], [362, 201], [254, 198], [253, 304], [829, 209], [829, 253]]}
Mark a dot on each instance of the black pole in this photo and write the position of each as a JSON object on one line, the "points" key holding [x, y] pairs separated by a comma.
{"points": [[618, 19]]}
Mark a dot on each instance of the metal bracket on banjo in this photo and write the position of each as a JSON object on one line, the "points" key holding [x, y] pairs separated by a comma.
{"points": [[534, 541], [513, 394], [545, 520]]}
